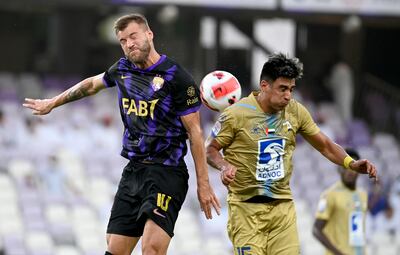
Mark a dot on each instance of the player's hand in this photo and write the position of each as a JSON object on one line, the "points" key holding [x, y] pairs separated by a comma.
{"points": [[364, 166], [228, 173], [38, 106], [207, 198]]}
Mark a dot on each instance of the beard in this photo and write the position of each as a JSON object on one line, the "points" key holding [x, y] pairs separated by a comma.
{"points": [[139, 55]]}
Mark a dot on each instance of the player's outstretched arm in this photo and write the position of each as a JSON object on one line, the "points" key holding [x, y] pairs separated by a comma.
{"points": [[87, 87], [205, 193], [338, 155]]}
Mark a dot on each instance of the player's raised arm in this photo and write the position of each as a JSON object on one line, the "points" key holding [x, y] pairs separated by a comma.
{"points": [[338, 155], [86, 87]]}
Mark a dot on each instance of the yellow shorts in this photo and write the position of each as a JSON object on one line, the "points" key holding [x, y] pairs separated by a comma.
{"points": [[263, 228]]}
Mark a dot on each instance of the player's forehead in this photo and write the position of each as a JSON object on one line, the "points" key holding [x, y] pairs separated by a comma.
{"points": [[132, 28], [284, 82]]}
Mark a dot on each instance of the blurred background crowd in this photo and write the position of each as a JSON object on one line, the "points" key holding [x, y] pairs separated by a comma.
{"points": [[59, 173]]}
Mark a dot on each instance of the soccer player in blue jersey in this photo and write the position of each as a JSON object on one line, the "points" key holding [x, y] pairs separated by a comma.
{"points": [[159, 105]]}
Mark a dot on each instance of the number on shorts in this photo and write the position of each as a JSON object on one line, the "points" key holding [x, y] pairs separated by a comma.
{"points": [[162, 202]]}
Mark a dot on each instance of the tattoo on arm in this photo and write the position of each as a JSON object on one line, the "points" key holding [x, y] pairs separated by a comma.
{"points": [[76, 93], [84, 88]]}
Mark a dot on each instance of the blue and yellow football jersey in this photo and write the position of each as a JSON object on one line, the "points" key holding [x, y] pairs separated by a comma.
{"points": [[261, 146], [345, 212]]}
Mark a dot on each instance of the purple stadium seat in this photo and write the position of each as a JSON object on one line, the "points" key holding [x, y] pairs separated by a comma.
{"points": [[358, 133], [14, 244]]}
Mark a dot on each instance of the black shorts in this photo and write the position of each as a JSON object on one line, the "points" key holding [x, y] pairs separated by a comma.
{"points": [[148, 191]]}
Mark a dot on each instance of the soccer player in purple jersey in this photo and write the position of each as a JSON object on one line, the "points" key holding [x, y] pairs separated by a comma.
{"points": [[159, 104]]}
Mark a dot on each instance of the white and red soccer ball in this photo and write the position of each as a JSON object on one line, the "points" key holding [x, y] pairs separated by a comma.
{"points": [[220, 89]]}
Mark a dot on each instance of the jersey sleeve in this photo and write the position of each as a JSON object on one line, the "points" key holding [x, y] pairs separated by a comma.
{"points": [[223, 130], [110, 76], [325, 207], [307, 126], [186, 94]]}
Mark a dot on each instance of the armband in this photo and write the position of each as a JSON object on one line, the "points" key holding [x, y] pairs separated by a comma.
{"points": [[346, 162]]}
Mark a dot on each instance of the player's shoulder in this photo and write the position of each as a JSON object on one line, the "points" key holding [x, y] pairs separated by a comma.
{"points": [[241, 107], [176, 73], [172, 66], [121, 63], [247, 103], [295, 106], [297, 111], [334, 189], [234, 113]]}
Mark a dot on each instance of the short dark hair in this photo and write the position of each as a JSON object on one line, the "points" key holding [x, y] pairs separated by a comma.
{"points": [[352, 153], [280, 65], [122, 22]]}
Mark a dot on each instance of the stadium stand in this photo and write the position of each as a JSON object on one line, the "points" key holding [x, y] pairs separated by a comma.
{"points": [[58, 178]]}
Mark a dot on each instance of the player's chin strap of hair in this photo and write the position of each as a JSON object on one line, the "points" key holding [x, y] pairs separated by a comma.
{"points": [[347, 161]]}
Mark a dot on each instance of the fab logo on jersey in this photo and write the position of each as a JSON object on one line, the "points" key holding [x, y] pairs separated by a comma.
{"points": [[270, 159], [140, 108]]}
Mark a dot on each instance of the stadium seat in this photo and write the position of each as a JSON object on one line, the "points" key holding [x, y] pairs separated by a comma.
{"points": [[39, 242], [20, 168], [312, 247], [14, 243], [57, 213], [8, 88], [187, 226], [213, 246], [59, 221], [383, 140], [67, 250], [358, 134], [91, 242], [386, 250], [381, 238]]}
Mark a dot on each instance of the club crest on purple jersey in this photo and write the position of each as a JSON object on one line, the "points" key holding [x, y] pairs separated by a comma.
{"points": [[157, 83]]}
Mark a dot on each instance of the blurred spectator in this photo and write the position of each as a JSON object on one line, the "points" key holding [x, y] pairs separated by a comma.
{"points": [[30, 182], [378, 200], [77, 139], [327, 129], [53, 179], [38, 136], [380, 210], [105, 136], [341, 84], [8, 139], [5, 141], [371, 100]]}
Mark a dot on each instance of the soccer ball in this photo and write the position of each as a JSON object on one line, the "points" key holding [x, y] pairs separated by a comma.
{"points": [[220, 89]]}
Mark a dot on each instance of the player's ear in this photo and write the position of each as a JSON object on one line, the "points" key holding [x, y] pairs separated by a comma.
{"points": [[264, 84], [150, 34]]}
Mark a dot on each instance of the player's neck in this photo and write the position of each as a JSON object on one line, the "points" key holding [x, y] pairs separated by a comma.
{"points": [[350, 186], [153, 58], [263, 103]]}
